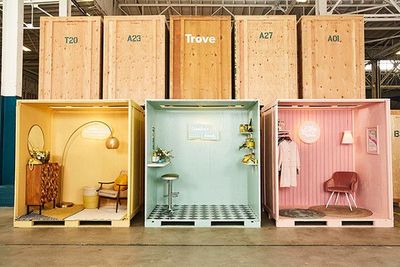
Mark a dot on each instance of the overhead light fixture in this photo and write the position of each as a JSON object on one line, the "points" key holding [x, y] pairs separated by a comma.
{"points": [[398, 52], [200, 106], [26, 49]]}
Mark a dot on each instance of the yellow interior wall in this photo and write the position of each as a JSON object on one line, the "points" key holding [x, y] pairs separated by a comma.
{"points": [[88, 161], [28, 116], [137, 166]]}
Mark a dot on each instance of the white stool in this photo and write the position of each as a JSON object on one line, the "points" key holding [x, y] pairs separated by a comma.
{"points": [[169, 178]]}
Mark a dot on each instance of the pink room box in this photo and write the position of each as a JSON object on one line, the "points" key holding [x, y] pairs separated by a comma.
{"points": [[308, 142]]}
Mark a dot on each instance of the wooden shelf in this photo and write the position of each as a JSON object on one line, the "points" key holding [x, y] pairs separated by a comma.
{"points": [[158, 165]]}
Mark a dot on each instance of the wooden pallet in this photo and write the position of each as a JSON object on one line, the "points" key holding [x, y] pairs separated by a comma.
{"points": [[334, 222], [75, 223], [204, 223]]}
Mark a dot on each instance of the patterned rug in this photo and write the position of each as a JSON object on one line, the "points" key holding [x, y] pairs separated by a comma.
{"points": [[204, 212], [301, 213], [343, 211], [35, 217]]}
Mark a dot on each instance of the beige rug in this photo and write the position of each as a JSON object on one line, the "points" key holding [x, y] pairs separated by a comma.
{"points": [[342, 211], [103, 214]]}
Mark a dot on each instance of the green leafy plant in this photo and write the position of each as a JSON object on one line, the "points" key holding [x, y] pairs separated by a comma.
{"points": [[164, 155]]}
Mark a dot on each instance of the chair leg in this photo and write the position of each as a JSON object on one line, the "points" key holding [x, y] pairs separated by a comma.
{"points": [[348, 201], [337, 198], [329, 200], [354, 201]]}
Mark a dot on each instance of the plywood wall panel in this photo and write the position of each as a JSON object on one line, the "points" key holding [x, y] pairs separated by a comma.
{"points": [[200, 69], [396, 153], [70, 57], [331, 57], [134, 58], [265, 58]]}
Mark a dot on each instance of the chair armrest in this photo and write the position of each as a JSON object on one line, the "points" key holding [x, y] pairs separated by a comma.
{"points": [[328, 183], [353, 186], [105, 182], [101, 185]]}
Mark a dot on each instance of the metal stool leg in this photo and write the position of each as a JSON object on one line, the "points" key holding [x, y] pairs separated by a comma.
{"points": [[170, 196]]}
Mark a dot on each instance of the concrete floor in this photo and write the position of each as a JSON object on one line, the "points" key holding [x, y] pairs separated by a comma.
{"points": [[197, 247]]}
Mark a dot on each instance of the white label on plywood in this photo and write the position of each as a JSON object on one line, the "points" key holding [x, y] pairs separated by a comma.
{"points": [[190, 39]]}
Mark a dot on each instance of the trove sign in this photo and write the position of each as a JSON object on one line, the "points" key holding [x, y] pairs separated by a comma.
{"points": [[190, 39]]}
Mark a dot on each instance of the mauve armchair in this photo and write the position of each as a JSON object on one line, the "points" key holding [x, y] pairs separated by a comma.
{"points": [[345, 182]]}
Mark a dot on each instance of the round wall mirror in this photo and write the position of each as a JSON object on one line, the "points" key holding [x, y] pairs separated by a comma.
{"points": [[35, 139]]}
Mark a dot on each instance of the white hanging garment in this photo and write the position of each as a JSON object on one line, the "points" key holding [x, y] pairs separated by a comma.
{"points": [[288, 163]]}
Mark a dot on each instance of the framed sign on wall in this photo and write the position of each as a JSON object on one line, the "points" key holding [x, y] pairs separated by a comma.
{"points": [[372, 140]]}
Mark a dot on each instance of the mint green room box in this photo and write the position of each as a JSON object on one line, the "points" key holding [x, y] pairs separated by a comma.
{"points": [[214, 147]]}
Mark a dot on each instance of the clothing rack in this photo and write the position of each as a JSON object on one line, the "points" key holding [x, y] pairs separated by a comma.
{"points": [[284, 135]]}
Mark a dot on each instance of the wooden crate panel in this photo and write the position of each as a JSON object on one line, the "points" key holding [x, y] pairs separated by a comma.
{"points": [[134, 58], [200, 57], [265, 58], [70, 57], [396, 153], [331, 57]]}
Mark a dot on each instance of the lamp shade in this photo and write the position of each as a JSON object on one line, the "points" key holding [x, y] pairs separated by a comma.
{"points": [[347, 138], [112, 142]]}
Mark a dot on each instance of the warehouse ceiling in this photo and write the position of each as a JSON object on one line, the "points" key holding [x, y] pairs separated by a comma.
{"points": [[32, 13], [382, 17]]}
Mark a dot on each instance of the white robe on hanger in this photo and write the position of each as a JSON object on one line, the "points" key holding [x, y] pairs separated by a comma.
{"points": [[288, 163]]}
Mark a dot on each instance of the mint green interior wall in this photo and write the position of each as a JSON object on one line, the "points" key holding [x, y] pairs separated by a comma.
{"points": [[210, 172], [152, 183]]}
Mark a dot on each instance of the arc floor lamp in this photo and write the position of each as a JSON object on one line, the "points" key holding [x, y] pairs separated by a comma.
{"points": [[111, 143]]}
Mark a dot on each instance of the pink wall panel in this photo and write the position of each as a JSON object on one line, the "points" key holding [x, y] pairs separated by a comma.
{"points": [[375, 188], [318, 161]]}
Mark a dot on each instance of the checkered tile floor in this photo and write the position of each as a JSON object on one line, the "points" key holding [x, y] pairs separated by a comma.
{"points": [[204, 212]]}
